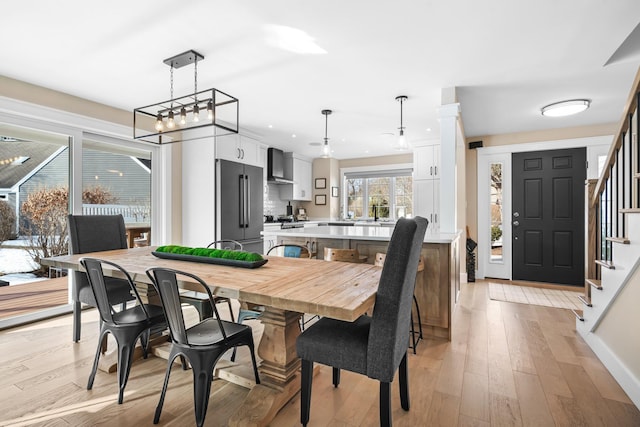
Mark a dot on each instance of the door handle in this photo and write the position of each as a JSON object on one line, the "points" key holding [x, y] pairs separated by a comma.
{"points": [[242, 198], [247, 203]]}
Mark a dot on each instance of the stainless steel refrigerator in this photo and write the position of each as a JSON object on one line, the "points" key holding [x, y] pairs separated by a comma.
{"points": [[239, 204]]}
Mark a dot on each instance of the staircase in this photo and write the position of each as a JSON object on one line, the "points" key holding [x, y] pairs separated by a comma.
{"points": [[610, 319]]}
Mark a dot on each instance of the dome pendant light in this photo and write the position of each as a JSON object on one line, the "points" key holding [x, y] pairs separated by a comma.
{"points": [[326, 149], [401, 144]]}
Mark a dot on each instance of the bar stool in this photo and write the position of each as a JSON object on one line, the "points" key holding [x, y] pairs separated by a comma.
{"points": [[415, 335], [344, 255]]}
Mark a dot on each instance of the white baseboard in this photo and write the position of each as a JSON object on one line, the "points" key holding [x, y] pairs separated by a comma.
{"points": [[629, 383], [463, 277]]}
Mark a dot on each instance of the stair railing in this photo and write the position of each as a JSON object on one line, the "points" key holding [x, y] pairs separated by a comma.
{"points": [[615, 193]]}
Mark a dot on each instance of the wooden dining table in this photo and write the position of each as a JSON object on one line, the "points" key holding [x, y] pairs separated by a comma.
{"points": [[286, 287]]}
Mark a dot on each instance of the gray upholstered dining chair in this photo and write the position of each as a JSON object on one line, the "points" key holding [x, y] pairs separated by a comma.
{"points": [[94, 233], [375, 346]]}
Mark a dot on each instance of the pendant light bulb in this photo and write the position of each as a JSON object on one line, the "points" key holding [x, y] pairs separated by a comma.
{"points": [[183, 116], [210, 110], [196, 113], [159, 124], [326, 149], [171, 123], [401, 143]]}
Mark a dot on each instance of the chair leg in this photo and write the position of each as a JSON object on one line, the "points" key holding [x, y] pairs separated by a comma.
{"points": [[385, 404], [77, 309], [172, 357], [415, 301], [144, 342], [92, 375], [125, 358], [253, 360], [413, 335], [403, 374], [230, 310], [202, 365], [336, 376], [305, 392]]}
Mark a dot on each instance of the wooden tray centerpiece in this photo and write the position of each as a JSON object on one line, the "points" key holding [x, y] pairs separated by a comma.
{"points": [[211, 256]]}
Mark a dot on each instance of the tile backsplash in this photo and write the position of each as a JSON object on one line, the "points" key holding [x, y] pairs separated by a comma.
{"points": [[272, 203]]}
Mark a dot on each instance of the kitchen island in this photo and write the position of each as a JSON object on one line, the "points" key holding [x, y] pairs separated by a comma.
{"points": [[437, 287]]}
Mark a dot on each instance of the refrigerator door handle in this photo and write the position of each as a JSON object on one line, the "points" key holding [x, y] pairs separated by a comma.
{"points": [[242, 200], [247, 204]]}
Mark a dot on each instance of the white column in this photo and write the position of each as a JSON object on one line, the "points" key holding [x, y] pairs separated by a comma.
{"points": [[448, 116]]}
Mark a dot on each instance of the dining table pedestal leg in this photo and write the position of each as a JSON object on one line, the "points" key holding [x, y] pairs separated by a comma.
{"points": [[279, 369]]}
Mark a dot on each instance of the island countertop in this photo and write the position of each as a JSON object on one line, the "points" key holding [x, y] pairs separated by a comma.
{"points": [[355, 233]]}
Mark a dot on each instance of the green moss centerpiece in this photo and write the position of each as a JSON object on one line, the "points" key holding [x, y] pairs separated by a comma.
{"points": [[212, 256]]}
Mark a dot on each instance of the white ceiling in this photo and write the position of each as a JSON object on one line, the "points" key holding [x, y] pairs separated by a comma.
{"points": [[507, 58]]}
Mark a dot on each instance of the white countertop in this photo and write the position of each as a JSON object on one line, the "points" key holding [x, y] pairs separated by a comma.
{"points": [[355, 233]]}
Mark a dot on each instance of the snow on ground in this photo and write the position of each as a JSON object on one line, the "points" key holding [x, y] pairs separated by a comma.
{"points": [[16, 265]]}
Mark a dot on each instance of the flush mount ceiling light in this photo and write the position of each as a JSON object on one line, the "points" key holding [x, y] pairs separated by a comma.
{"points": [[326, 149], [401, 144], [203, 114], [565, 108]]}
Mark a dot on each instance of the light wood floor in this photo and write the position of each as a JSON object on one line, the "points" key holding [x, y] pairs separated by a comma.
{"points": [[508, 364]]}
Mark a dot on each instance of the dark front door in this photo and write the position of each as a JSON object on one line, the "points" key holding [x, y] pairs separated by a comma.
{"points": [[548, 216]]}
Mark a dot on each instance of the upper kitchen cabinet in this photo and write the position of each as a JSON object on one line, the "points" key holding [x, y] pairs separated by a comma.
{"points": [[242, 149], [298, 169], [426, 161]]}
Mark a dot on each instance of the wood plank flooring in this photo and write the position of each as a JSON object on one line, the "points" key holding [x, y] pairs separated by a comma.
{"points": [[31, 297], [508, 364]]}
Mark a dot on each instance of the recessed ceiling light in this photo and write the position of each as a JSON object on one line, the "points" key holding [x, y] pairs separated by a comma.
{"points": [[293, 135], [565, 108], [428, 129], [270, 126]]}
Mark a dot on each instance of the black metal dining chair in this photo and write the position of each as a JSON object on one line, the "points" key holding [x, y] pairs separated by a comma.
{"points": [[202, 344], [375, 346], [94, 233], [127, 326]]}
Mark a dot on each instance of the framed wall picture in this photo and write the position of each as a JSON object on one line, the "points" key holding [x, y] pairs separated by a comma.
{"points": [[321, 199], [321, 183], [334, 192]]}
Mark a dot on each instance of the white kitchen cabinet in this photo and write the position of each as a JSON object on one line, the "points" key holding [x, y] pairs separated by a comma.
{"points": [[299, 169], [426, 183], [270, 241], [241, 149], [426, 201], [426, 161]]}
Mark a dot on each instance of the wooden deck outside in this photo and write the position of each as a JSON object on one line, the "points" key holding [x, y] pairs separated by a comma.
{"points": [[35, 296]]}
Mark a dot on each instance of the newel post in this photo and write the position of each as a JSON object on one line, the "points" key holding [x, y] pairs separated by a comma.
{"points": [[590, 236]]}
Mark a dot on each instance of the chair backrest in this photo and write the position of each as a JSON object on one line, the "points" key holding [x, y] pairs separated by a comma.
{"points": [[380, 257], [344, 255], [389, 332], [290, 251], [231, 245], [95, 275], [93, 233], [165, 280]]}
